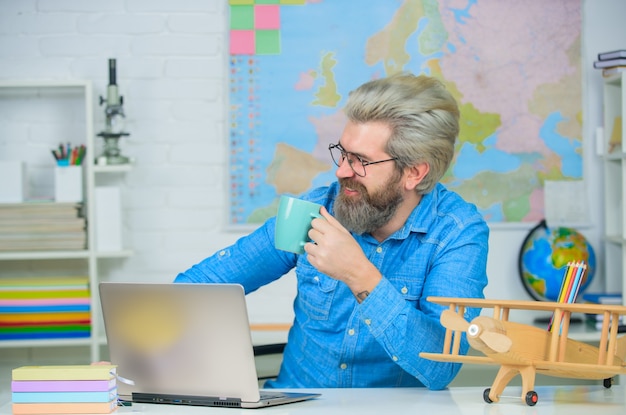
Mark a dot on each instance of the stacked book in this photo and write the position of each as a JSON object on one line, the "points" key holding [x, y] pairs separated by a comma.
{"points": [[66, 389], [595, 320], [611, 62], [36, 226], [44, 308]]}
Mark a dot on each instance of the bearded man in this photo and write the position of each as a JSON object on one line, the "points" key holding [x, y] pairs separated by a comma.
{"points": [[390, 236]]}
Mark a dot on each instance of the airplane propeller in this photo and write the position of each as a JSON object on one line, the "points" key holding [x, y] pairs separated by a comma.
{"points": [[496, 341]]}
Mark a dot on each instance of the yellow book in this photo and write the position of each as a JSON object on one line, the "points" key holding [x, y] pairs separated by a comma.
{"points": [[32, 295], [44, 283], [616, 135], [64, 372], [65, 408]]}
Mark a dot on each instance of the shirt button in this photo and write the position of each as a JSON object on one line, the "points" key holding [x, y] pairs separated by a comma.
{"points": [[379, 249], [222, 253], [316, 278], [343, 366], [404, 290], [394, 358], [368, 321], [351, 332]]}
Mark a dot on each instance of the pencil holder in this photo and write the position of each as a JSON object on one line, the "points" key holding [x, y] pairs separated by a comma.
{"points": [[68, 184]]}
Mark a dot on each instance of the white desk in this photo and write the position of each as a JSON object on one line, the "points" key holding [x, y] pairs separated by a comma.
{"points": [[570, 400]]}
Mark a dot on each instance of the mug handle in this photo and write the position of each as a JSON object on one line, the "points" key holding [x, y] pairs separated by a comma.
{"points": [[313, 215]]}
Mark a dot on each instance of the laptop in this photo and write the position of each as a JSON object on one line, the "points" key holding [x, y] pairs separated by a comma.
{"points": [[184, 344]]}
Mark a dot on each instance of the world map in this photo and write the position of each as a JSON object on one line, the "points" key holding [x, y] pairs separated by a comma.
{"points": [[513, 66]]}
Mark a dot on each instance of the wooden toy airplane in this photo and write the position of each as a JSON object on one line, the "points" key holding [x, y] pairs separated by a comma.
{"points": [[526, 349]]}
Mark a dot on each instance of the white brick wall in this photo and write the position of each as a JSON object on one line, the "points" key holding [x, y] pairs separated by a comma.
{"points": [[172, 72]]}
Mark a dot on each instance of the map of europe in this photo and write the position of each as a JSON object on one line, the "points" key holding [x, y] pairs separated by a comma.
{"points": [[513, 66]]}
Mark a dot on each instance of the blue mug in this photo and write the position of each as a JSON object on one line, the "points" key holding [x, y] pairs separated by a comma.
{"points": [[293, 221]]}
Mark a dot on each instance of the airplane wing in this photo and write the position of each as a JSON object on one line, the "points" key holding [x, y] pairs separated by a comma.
{"points": [[579, 370], [573, 370], [530, 305], [442, 357]]}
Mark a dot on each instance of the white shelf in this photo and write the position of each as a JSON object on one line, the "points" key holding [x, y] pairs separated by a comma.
{"points": [[115, 254], [83, 341], [25, 255], [81, 89], [34, 255], [53, 83], [614, 90], [614, 238], [119, 168]]}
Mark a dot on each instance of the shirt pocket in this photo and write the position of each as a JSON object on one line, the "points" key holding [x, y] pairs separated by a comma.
{"points": [[410, 287], [316, 292]]}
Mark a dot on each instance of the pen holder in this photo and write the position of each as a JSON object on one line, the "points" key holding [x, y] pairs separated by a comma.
{"points": [[68, 184]]}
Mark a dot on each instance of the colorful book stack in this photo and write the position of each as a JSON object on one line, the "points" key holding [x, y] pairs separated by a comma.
{"points": [[44, 308], [573, 277], [67, 389]]}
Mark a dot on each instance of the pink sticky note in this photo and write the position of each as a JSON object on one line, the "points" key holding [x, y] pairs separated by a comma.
{"points": [[267, 17], [242, 42]]}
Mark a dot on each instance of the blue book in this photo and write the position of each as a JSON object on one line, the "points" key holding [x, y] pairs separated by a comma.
{"points": [[614, 54], [45, 335], [67, 397], [603, 298], [43, 308]]}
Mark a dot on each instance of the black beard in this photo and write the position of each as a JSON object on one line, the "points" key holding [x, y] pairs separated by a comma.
{"points": [[367, 213]]}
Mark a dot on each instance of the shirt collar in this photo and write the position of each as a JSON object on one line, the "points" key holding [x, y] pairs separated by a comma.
{"points": [[422, 216]]}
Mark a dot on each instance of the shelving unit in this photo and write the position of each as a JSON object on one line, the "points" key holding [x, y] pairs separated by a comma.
{"points": [[614, 185], [88, 258]]}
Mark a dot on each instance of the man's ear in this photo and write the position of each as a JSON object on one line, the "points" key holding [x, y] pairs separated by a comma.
{"points": [[415, 175]]}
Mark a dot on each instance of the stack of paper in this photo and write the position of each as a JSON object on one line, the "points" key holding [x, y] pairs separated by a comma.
{"points": [[69, 389], [34, 226], [44, 308]]}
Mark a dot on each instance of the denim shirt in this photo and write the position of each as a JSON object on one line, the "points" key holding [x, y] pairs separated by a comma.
{"points": [[336, 342]]}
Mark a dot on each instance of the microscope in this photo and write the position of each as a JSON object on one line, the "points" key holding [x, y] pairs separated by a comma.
{"points": [[114, 127]]}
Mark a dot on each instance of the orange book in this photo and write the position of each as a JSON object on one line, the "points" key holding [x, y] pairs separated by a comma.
{"points": [[65, 408]]}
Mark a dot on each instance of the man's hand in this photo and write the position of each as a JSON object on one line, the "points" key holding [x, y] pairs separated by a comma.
{"points": [[337, 254]]}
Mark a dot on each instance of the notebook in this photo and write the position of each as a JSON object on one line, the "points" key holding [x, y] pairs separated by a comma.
{"points": [[184, 344]]}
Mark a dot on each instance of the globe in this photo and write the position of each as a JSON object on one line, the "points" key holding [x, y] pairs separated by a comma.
{"points": [[544, 256]]}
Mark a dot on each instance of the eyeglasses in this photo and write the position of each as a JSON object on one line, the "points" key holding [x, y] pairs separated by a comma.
{"points": [[357, 164]]}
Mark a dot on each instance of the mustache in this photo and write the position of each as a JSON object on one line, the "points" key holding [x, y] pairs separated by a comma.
{"points": [[352, 184], [356, 186]]}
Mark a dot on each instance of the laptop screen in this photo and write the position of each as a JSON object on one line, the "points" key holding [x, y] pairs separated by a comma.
{"points": [[190, 339]]}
